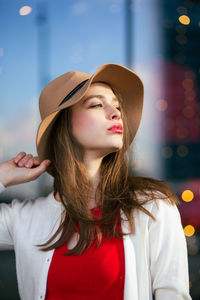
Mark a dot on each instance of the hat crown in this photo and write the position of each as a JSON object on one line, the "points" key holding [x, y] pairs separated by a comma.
{"points": [[53, 94], [69, 88]]}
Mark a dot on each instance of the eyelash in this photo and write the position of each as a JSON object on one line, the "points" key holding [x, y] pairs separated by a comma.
{"points": [[101, 106]]}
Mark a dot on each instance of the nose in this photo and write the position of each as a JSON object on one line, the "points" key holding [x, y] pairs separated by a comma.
{"points": [[114, 113]]}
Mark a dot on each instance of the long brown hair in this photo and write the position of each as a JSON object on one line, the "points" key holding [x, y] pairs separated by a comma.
{"points": [[118, 189]]}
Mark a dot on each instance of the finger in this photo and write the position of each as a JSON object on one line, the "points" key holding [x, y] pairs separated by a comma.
{"points": [[24, 160], [29, 163], [19, 156], [36, 172], [36, 160]]}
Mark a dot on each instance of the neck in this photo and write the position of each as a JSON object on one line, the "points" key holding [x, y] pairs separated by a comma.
{"points": [[92, 165]]}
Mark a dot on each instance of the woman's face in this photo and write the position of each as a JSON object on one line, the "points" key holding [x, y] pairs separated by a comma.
{"points": [[92, 117]]}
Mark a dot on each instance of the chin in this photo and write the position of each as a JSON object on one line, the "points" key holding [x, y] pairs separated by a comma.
{"points": [[115, 147]]}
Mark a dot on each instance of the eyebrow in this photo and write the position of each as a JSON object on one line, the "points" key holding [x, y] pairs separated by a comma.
{"points": [[114, 99]]}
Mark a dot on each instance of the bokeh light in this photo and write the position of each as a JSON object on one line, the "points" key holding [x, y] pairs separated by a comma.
{"points": [[161, 104], [167, 152], [189, 230], [185, 20], [25, 10], [182, 10], [181, 39], [187, 196], [190, 95], [182, 150], [188, 112], [188, 84], [181, 132]]}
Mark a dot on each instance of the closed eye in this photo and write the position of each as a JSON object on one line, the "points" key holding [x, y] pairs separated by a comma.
{"points": [[100, 105], [96, 105]]}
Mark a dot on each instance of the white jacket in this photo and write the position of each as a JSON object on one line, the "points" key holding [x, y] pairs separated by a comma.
{"points": [[155, 256]]}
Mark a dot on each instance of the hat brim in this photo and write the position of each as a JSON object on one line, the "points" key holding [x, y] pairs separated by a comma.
{"points": [[122, 79]]}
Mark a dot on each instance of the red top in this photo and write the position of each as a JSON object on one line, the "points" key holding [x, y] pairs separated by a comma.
{"points": [[96, 274]]}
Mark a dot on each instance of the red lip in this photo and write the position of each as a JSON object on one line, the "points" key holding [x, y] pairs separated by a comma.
{"points": [[116, 128]]}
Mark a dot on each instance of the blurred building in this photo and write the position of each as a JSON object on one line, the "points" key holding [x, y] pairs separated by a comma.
{"points": [[181, 133], [181, 145]]}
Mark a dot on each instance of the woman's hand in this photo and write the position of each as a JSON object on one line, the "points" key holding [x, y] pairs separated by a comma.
{"points": [[23, 168]]}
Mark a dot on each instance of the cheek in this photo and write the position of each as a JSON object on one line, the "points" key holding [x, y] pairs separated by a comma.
{"points": [[82, 122]]}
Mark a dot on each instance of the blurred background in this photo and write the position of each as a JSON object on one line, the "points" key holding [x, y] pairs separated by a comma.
{"points": [[159, 40]]}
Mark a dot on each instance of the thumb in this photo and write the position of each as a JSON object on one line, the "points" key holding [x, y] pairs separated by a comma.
{"points": [[41, 168], [45, 163]]}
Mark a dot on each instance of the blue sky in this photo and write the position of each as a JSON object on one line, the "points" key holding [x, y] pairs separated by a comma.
{"points": [[80, 35]]}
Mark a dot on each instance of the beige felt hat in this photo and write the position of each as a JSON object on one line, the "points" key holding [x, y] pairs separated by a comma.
{"points": [[70, 87]]}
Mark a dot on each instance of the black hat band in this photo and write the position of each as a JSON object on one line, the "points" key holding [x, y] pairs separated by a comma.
{"points": [[73, 91]]}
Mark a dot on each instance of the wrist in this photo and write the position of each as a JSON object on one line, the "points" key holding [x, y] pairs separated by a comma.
{"points": [[4, 182]]}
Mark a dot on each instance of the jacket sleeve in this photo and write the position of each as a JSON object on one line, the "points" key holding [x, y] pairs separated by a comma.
{"points": [[168, 253], [6, 241]]}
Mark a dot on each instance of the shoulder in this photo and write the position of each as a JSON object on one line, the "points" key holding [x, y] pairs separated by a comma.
{"points": [[148, 198], [30, 207], [35, 216], [167, 220], [159, 206]]}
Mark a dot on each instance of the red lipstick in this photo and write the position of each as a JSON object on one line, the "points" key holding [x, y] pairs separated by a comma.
{"points": [[117, 128]]}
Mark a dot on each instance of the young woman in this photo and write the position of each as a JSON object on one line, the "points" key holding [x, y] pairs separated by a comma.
{"points": [[102, 233]]}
